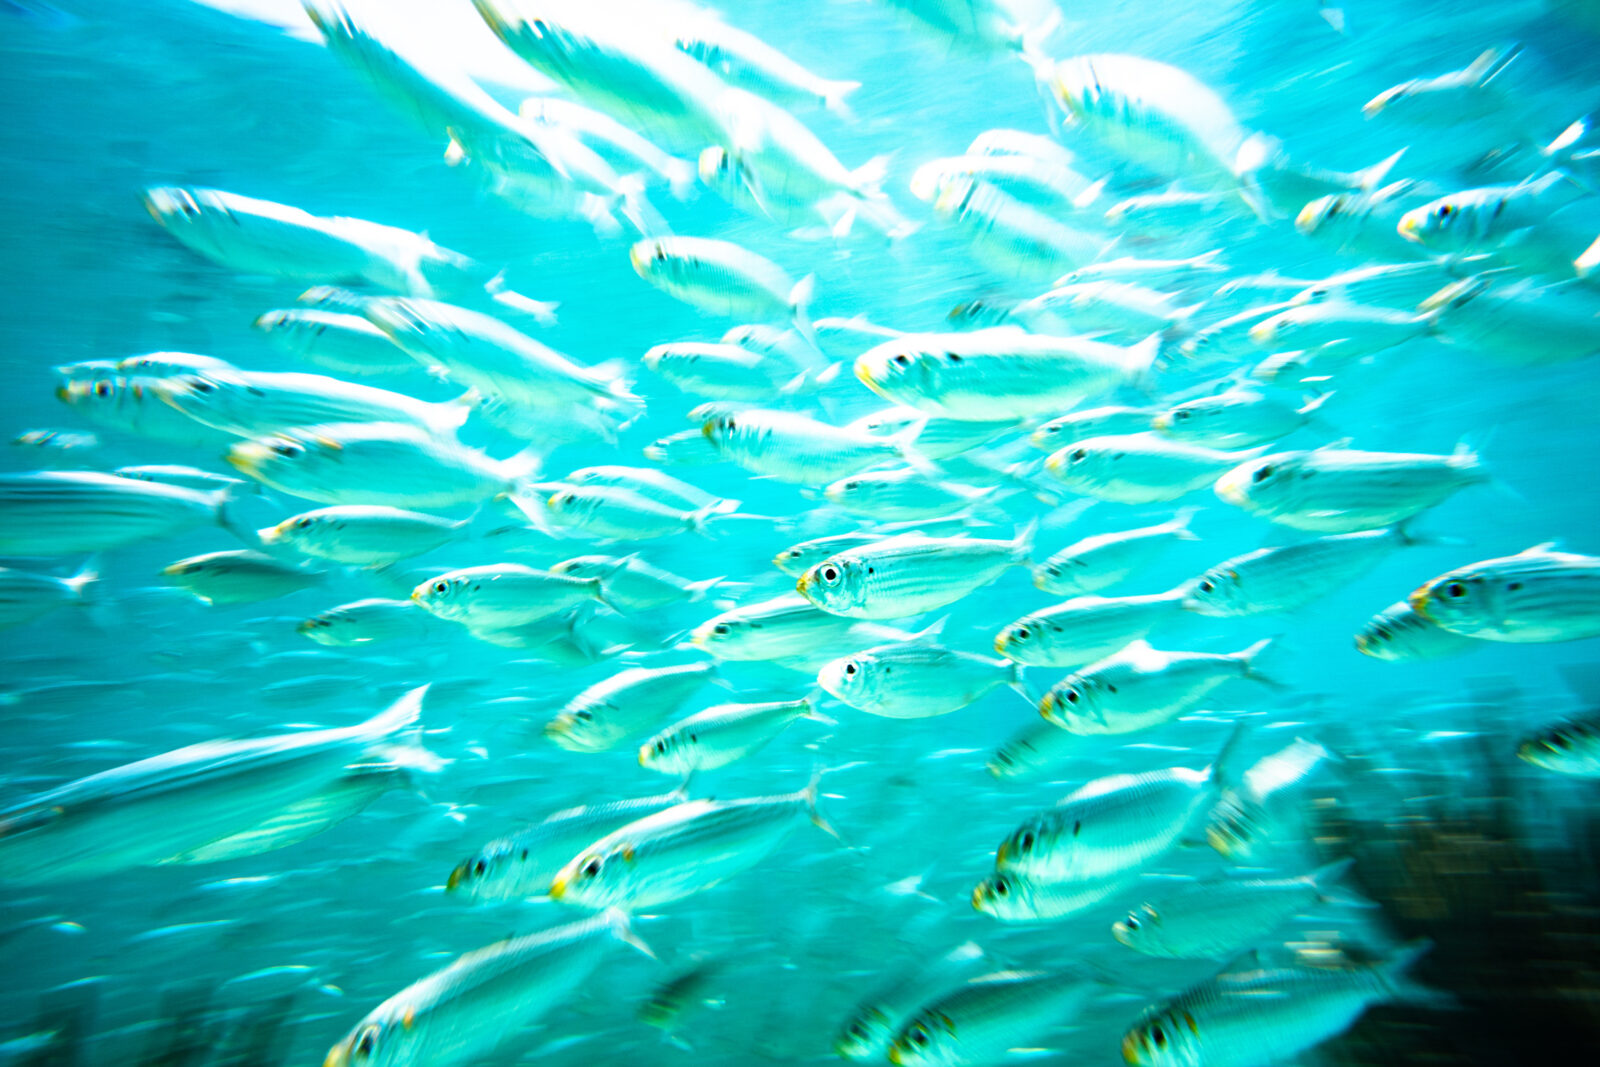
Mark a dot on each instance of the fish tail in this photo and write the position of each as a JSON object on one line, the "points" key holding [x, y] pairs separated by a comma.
{"points": [[1022, 544], [1393, 976], [541, 311], [698, 590], [621, 927], [810, 794], [799, 305], [231, 522], [833, 98], [1325, 880], [1251, 659], [83, 584], [1180, 524]]}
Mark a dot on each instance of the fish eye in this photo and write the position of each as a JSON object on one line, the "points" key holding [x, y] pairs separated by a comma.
{"points": [[287, 449], [480, 868], [1455, 590], [583, 715], [857, 1030], [102, 388], [1208, 586], [1181, 414], [902, 359], [1079, 454], [440, 587], [201, 385], [661, 745], [1159, 1036], [952, 357], [1131, 922], [850, 668], [1445, 211], [1070, 696], [1025, 842], [367, 1042], [660, 254], [1023, 633], [301, 524], [592, 868], [1262, 474], [919, 1037], [830, 574], [722, 628], [1002, 887]]}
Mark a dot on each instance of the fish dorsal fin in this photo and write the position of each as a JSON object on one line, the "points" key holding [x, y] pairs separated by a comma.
{"points": [[1543, 548]]}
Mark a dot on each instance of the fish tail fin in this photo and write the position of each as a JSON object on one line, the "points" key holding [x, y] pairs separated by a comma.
{"points": [[1180, 524], [597, 592], [681, 177], [1022, 543], [833, 98], [1394, 976], [867, 179], [810, 795], [83, 584], [1326, 881], [1370, 178], [396, 734], [1492, 63], [228, 520], [1226, 769], [596, 211], [1141, 360], [698, 590], [800, 304], [1252, 659], [621, 927], [541, 311]]}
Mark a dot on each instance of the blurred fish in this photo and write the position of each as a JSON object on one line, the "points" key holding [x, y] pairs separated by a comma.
{"points": [[498, 596], [916, 679], [54, 513], [985, 1018], [27, 595], [1288, 577], [1140, 468], [238, 576], [341, 343], [365, 535], [1141, 687], [1401, 634], [364, 622], [909, 574], [629, 702], [474, 1005], [631, 584], [1103, 560], [719, 735], [1087, 628]]}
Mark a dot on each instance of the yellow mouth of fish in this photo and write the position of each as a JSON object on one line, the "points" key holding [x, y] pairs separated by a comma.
{"points": [[1231, 488], [1409, 229], [1262, 334], [1130, 1049], [558, 889], [863, 370], [457, 876], [1420, 601]]}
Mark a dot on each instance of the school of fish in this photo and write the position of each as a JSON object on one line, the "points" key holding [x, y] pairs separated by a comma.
{"points": [[1099, 498]]}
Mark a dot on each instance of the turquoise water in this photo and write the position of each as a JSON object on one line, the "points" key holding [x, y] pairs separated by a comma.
{"points": [[272, 958]]}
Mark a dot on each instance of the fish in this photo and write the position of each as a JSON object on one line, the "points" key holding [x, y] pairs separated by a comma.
{"points": [[1037, 748], [631, 584], [1120, 309], [797, 559], [867, 1032], [746, 61], [1013, 898], [251, 403], [378, 464], [791, 447], [1267, 1016], [640, 78], [1237, 418], [499, 596], [1219, 917], [152, 811], [916, 679], [909, 574], [1289, 577], [1000, 372], [483, 353], [1483, 219], [1140, 468], [1469, 93], [617, 513], [470, 1007], [1141, 687], [1537, 595], [629, 702], [690, 448], [722, 278], [130, 404], [1101, 561], [1250, 811], [181, 475], [29, 595], [1012, 239], [239, 576], [335, 341], [720, 735], [906, 494], [984, 1018], [1569, 746], [1109, 421], [1087, 628], [722, 371], [364, 622], [363, 535], [1113, 825], [522, 865], [1401, 634], [56, 513], [786, 629], [1339, 490]]}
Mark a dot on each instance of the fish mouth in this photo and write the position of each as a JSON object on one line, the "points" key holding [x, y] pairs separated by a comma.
{"points": [[1362, 641], [457, 876], [1162, 421], [267, 320], [1002, 852], [558, 888], [1047, 709], [338, 1056], [977, 897], [863, 372], [636, 257], [1119, 930], [1130, 1049], [1420, 600], [175, 568], [803, 585], [1409, 228], [1307, 220], [1262, 334], [644, 755], [1001, 643], [896, 1055], [270, 535]]}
